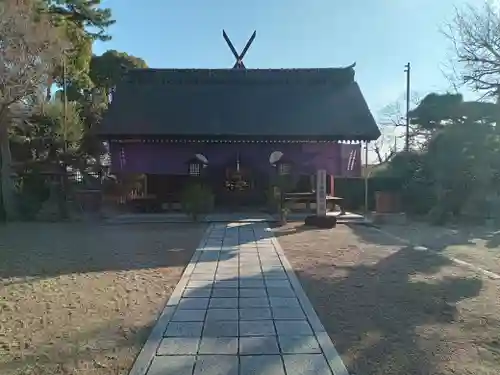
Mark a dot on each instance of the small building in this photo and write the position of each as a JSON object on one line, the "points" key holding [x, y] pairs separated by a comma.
{"points": [[223, 125]]}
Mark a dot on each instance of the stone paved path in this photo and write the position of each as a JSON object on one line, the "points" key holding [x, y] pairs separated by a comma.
{"points": [[238, 309]]}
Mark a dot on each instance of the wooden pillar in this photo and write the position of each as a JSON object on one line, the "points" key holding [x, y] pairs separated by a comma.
{"points": [[332, 185]]}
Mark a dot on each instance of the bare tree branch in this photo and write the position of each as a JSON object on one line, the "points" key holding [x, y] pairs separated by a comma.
{"points": [[475, 36], [30, 46]]}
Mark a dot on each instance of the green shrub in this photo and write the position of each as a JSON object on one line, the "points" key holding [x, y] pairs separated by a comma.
{"points": [[352, 190], [197, 200], [32, 192]]}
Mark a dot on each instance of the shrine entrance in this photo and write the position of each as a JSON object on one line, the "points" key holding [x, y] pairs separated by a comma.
{"points": [[238, 185]]}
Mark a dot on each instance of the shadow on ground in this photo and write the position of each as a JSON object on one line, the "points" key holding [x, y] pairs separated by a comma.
{"points": [[438, 238], [376, 301], [372, 313], [41, 250], [89, 352]]}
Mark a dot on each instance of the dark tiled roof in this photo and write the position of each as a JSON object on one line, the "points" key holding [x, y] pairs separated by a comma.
{"points": [[312, 104]]}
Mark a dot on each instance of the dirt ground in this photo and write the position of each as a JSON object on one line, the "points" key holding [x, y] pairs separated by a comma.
{"points": [[478, 245], [394, 310], [81, 299]]}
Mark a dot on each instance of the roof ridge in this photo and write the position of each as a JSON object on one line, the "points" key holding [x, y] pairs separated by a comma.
{"points": [[240, 70], [338, 76]]}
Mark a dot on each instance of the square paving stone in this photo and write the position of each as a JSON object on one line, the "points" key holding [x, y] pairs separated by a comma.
{"points": [[252, 283], [284, 302], [227, 274], [257, 328], [226, 284], [224, 292], [183, 329], [172, 365], [227, 268], [275, 275], [250, 262], [267, 269], [219, 345], [223, 303], [208, 256], [228, 265], [261, 365], [201, 277], [178, 346], [293, 328], [288, 313], [253, 292], [299, 345], [306, 364], [250, 254], [199, 284], [250, 272], [210, 275], [189, 316], [215, 328], [193, 304], [254, 302], [258, 313], [258, 345], [252, 277], [280, 292], [273, 267], [278, 283], [222, 314], [269, 256], [216, 365], [205, 268], [225, 277], [196, 292]]}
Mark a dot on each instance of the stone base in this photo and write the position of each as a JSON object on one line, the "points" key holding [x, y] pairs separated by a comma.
{"points": [[389, 218], [324, 222]]}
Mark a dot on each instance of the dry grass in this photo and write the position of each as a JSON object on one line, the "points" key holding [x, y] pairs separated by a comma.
{"points": [[395, 310], [81, 299]]}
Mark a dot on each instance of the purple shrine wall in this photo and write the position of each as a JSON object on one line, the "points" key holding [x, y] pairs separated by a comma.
{"points": [[172, 158]]}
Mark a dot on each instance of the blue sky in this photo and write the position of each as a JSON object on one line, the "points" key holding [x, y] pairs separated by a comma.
{"points": [[381, 36]]}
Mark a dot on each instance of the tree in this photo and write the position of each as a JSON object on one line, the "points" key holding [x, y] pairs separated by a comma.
{"points": [[30, 48], [458, 163], [86, 14], [84, 21], [106, 70], [474, 33], [436, 111], [392, 122]]}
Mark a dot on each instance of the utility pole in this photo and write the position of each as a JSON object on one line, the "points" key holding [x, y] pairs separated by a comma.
{"points": [[63, 207], [407, 135], [65, 104]]}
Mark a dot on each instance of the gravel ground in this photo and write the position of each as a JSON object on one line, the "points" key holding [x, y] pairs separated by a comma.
{"points": [[393, 310], [81, 299], [474, 244]]}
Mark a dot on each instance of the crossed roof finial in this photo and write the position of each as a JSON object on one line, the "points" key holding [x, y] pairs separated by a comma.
{"points": [[239, 57]]}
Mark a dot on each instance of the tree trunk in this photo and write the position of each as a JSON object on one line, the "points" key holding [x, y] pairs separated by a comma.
{"points": [[8, 190]]}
